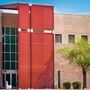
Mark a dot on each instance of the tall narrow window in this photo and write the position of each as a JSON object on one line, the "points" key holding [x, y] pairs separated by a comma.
{"points": [[10, 52], [58, 79], [58, 38], [85, 37], [10, 48], [71, 38]]}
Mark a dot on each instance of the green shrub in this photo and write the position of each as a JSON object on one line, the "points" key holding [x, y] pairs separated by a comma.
{"points": [[76, 85], [66, 85]]}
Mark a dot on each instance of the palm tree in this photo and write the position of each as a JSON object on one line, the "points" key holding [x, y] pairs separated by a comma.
{"points": [[78, 53]]}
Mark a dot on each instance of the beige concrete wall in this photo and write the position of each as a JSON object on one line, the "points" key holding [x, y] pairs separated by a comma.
{"points": [[69, 24]]}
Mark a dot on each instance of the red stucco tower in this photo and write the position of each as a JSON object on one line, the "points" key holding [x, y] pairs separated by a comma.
{"points": [[35, 45]]}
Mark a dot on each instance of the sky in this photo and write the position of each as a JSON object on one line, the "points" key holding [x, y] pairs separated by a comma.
{"points": [[60, 6]]}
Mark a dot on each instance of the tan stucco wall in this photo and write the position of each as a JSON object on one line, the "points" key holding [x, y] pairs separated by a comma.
{"points": [[69, 24]]}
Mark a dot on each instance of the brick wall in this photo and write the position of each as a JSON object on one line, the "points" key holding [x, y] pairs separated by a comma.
{"points": [[77, 25], [9, 20], [69, 24]]}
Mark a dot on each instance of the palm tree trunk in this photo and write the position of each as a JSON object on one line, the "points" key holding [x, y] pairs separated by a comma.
{"points": [[84, 78]]}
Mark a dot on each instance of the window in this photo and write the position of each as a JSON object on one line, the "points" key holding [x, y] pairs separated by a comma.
{"points": [[13, 31], [4, 80], [10, 45], [71, 38], [14, 80], [6, 48], [58, 38], [7, 30], [13, 65], [6, 56], [85, 37], [7, 65]]}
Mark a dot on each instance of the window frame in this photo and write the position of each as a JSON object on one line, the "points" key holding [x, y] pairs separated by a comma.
{"points": [[85, 37], [70, 39], [58, 38], [9, 46]]}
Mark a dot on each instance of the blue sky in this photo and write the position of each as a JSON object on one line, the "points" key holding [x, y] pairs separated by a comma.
{"points": [[61, 6]]}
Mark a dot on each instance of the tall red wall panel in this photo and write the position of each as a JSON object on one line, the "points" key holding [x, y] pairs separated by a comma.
{"points": [[42, 17], [42, 60], [35, 50], [48, 18], [24, 18], [37, 17], [24, 46], [24, 59]]}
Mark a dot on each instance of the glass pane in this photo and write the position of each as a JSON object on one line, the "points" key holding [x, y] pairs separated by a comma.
{"points": [[8, 78], [14, 80], [16, 65], [16, 57], [7, 39], [7, 30], [7, 56], [16, 39], [85, 37], [13, 56], [3, 38], [71, 38], [3, 80], [17, 80], [7, 48], [12, 65], [7, 65], [12, 31], [16, 31], [12, 39], [16, 48], [58, 38], [12, 48]]}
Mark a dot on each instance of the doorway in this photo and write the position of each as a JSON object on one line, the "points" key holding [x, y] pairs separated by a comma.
{"points": [[12, 77]]}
